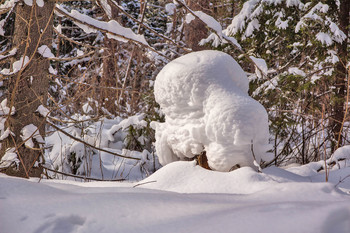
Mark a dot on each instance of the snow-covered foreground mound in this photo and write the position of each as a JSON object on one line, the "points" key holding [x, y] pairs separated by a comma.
{"points": [[239, 201], [207, 108]]}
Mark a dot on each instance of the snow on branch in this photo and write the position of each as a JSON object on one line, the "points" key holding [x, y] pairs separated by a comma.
{"points": [[45, 51], [29, 132], [9, 54], [5, 110], [9, 158], [16, 66], [7, 6], [113, 29], [239, 21], [331, 32], [217, 29], [120, 8]]}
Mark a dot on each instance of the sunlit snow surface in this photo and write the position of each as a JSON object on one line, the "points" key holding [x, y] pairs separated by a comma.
{"points": [[181, 197]]}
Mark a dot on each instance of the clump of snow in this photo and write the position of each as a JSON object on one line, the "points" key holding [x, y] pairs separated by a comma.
{"points": [[28, 2], [4, 110], [189, 18], [52, 70], [324, 38], [45, 51], [170, 8], [40, 3], [136, 120], [2, 31], [106, 7], [11, 53], [87, 108], [9, 158], [290, 3], [43, 111], [296, 71], [204, 98], [6, 133], [8, 4], [29, 132], [260, 66], [239, 21], [16, 66]]}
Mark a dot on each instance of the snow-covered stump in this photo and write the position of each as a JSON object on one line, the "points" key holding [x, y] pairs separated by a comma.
{"points": [[208, 110]]}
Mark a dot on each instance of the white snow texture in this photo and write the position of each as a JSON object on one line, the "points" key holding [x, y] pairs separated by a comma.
{"points": [[204, 98]]}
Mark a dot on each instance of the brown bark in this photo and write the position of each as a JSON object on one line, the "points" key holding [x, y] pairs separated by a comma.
{"points": [[202, 160], [196, 30], [110, 69], [340, 76], [28, 89]]}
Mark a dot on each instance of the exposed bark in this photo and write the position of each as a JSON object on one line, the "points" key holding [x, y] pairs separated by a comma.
{"points": [[202, 160], [196, 30], [28, 89], [110, 69], [340, 76]]}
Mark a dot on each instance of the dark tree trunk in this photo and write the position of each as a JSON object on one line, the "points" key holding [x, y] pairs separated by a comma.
{"points": [[28, 89], [196, 30], [340, 76], [108, 96]]}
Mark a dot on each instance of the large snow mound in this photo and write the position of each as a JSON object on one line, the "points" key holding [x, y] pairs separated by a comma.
{"points": [[207, 108], [187, 177]]}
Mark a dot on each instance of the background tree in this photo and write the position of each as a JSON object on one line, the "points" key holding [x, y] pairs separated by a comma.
{"points": [[303, 44], [27, 86]]}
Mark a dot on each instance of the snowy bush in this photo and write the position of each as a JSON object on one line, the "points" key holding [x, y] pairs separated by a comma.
{"points": [[204, 98], [126, 137]]}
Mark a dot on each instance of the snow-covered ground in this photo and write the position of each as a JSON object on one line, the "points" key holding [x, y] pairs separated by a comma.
{"points": [[182, 197]]}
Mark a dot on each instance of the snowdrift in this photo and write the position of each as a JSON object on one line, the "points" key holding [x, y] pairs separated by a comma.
{"points": [[243, 200]]}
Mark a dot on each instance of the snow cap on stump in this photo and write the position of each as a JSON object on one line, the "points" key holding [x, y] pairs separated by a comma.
{"points": [[204, 98]]}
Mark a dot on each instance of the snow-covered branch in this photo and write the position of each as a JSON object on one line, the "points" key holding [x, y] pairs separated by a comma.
{"points": [[112, 28]]}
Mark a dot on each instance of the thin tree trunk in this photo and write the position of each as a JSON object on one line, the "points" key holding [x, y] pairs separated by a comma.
{"points": [[28, 89]]}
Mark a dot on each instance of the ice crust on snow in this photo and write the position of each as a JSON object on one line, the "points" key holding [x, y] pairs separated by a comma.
{"points": [[204, 98]]}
